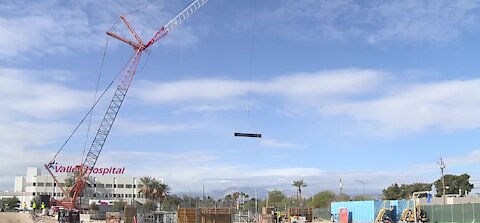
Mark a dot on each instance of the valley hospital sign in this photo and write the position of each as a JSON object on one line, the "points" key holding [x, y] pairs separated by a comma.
{"points": [[95, 170]]}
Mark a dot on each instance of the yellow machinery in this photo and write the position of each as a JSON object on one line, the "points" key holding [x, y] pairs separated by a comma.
{"points": [[414, 214], [382, 214]]}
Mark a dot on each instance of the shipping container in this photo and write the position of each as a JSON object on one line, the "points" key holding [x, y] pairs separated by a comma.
{"points": [[367, 211]]}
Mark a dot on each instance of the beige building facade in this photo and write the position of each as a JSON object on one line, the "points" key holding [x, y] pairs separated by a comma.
{"points": [[104, 188]]}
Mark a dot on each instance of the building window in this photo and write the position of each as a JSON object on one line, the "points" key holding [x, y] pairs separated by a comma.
{"points": [[40, 184], [100, 185], [106, 195], [121, 185], [128, 186], [134, 196], [94, 194], [34, 184], [114, 195], [108, 186], [114, 186], [48, 184], [54, 184], [33, 193], [135, 186]]}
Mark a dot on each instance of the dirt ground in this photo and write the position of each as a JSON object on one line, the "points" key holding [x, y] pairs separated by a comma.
{"points": [[15, 217], [19, 217]]}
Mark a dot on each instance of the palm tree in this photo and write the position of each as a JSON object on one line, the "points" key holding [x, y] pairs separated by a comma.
{"points": [[159, 190], [153, 189], [299, 184], [69, 183], [146, 188]]}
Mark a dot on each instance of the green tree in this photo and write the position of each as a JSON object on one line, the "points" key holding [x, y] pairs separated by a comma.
{"points": [[409, 189], [145, 186], [158, 190], [404, 191], [229, 200], [393, 192], [360, 198], [277, 199], [149, 205], [119, 205], [172, 201], [153, 189], [250, 204], [322, 199], [454, 183], [68, 184], [11, 203], [93, 207], [299, 184], [342, 197]]}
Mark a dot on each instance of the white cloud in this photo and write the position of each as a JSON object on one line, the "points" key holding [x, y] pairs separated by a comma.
{"points": [[316, 85], [277, 144], [374, 21], [446, 104], [32, 108], [50, 27], [187, 90], [140, 128], [35, 95], [304, 86], [371, 97]]}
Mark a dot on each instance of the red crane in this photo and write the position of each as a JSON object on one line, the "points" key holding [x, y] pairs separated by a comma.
{"points": [[85, 168]]}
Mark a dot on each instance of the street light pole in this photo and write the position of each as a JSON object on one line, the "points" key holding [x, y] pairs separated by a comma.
{"points": [[364, 194], [442, 168]]}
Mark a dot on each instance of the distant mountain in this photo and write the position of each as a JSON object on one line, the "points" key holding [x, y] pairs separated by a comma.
{"points": [[260, 193]]}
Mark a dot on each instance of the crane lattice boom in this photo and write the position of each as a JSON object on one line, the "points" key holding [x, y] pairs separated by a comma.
{"points": [[100, 138], [177, 20]]}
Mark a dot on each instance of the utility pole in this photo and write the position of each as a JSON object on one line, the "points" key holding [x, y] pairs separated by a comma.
{"points": [[364, 193], [442, 168], [341, 186]]}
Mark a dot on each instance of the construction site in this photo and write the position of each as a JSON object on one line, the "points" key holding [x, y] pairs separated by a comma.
{"points": [[100, 191]]}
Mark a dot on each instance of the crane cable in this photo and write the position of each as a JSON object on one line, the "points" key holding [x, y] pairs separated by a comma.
{"points": [[252, 48], [96, 88], [90, 112], [91, 109]]}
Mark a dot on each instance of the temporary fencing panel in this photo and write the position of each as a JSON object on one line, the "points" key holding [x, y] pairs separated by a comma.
{"points": [[452, 212], [321, 213]]}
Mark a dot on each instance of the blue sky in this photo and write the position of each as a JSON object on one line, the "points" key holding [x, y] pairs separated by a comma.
{"points": [[375, 91]]}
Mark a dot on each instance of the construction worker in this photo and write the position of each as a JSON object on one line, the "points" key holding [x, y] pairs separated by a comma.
{"points": [[34, 206], [24, 206], [43, 208]]}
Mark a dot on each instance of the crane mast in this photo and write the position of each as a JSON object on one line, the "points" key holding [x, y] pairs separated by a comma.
{"points": [[86, 167]]}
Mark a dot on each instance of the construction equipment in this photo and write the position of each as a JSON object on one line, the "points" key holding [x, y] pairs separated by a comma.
{"points": [[412, 211], [384, 212], [84, 170]]}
